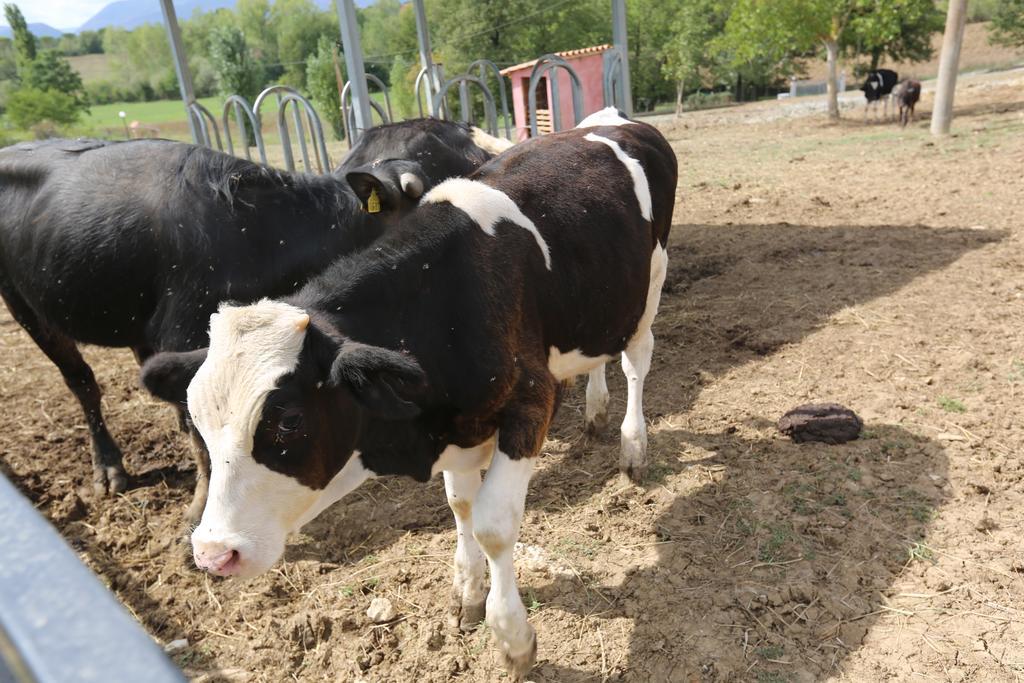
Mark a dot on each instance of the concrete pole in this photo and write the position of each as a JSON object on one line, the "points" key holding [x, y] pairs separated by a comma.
{"points": [[949, 64], [180, 65], [354, 64], [619, 38]]}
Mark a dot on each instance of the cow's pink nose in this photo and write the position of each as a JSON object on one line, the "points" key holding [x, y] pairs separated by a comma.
{"points": [[222, 564]]}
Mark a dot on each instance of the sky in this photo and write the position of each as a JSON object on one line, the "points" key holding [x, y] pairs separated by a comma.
{"points": [[59, 13]]}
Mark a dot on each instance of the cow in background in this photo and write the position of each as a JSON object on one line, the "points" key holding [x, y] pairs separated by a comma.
{"points": [[877, 88], [907, 94]]}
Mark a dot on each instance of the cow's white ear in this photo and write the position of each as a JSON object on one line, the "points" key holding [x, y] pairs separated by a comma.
{"points": [[385, 382], [412, 185]]}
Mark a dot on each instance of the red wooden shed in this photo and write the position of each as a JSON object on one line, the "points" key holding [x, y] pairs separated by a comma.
{"points": [[588, 64]]}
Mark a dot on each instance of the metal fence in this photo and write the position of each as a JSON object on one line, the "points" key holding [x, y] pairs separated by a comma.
{"points": [[58, 624]]}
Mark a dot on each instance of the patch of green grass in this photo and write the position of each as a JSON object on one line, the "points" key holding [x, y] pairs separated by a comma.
{"points": [[535, 604], [952, 405], [770, 677], [576, 546], [771, 549], [920, 552], [835, 499], [770, 651], [1016, 371], [922, 513], [854, 474], [149, 113]]}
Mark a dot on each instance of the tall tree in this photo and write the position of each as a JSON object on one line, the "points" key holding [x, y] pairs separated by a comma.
{"points": [[779, 30], [50, 71], [299, 24], [237, 72], [900, 30], [322, 84], [689, 55], [24, 41], [1008, 23]]}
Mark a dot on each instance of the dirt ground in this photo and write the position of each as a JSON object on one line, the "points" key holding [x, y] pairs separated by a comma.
{"points": [[878, 268]]}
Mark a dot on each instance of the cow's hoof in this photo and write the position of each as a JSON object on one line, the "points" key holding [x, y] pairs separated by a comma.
{"points": [[596, 425], [518, 666], [109, 480], [633, 459], [465, 617]]}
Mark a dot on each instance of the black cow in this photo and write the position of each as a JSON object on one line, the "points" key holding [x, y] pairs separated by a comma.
{"points": [[877, 87], [907, 95], [442, 348], [133, 244]]}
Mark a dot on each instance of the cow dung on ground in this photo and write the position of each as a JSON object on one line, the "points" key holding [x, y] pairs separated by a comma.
{"points": [[825, 422]]}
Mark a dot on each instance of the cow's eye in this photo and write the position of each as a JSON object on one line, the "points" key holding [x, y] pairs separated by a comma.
{"points": [[290, 422]]}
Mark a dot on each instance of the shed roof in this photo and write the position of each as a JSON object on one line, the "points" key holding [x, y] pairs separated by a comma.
{"points": [[566, 54]]}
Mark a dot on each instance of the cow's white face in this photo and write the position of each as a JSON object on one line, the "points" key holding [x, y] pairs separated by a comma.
{"points": [[251, 508], [278, 404]]}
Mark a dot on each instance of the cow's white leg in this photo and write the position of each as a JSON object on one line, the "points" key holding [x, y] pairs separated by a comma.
{"points": [[636, 361], [468, 593], [496, 518], [597, 401]]}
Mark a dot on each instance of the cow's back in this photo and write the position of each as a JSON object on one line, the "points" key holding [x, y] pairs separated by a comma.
{"points": [[140, 228], [589, 210]]}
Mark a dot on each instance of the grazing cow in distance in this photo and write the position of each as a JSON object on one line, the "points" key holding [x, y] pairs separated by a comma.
{"points": [[907, 94], [440, 349], [877, 88], [134, 244]]}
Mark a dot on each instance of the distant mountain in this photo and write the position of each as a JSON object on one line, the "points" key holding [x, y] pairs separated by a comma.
{"points": [[40, 30], [129, 14]]}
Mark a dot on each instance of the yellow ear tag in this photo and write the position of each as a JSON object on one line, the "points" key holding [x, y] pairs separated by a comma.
{"points": [[373, 202]]}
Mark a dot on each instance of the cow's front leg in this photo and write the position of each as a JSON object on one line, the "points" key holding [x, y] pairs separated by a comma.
{"points": [[468, 586], [496, 519]]}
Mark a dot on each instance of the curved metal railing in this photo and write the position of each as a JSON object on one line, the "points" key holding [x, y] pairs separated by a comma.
{"points": [[465, 106], [348, 114], [243, 111], [547, 63], [204, 122], [612, 64], [285, 96], [487, 65]]}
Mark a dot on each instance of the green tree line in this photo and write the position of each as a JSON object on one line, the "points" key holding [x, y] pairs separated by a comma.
{"points": [[678, 51]]}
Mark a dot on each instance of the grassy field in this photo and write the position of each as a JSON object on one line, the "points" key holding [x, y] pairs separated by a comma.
{"points": [[93, 68], [154, 113]]}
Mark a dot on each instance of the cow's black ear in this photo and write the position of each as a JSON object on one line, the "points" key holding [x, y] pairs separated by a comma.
{"points": [[397, 183], [385, 382], [374, 193], [167, 375]]}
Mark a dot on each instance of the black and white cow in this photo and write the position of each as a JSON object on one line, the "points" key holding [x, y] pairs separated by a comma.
{"points": [[135, 243], [877, 88], [907, 94], [440, 349]]}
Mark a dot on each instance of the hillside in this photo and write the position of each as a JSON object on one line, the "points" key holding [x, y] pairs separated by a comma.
{"points": [[39, 29], [130, 14]]}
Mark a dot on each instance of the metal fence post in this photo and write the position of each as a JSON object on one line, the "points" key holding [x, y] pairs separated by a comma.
{"points": [[619, 38], [354, 64], [180, 65]]}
